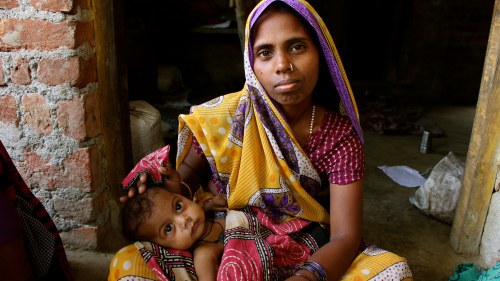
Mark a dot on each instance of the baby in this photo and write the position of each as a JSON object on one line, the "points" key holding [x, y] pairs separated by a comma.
{"points": [[173, 221]]}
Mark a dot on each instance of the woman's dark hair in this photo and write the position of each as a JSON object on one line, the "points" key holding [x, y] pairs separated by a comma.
{"points": [[325, 83], [135, 211]]}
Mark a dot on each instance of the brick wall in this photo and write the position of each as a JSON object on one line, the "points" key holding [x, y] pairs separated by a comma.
{"points": [[49, 111]]}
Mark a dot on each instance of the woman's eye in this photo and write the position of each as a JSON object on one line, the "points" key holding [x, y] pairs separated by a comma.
{"points": [[297, 47], [264, 54], [169, 228]]}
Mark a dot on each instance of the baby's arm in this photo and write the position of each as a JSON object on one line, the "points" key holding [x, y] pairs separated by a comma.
{"points": [[206, 260]]}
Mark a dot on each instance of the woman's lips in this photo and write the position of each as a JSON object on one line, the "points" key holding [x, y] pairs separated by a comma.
{"points": [[286, 85]]}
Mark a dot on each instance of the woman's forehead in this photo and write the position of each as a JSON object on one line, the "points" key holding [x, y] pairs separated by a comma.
{"points": [[278, 23]]}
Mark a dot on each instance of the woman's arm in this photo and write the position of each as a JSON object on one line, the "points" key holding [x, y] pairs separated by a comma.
{"points": [[346, 227], [194, 170]]}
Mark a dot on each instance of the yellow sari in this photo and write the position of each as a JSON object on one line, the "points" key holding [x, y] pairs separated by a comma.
{"points": [[250, 146], [258, 163]]}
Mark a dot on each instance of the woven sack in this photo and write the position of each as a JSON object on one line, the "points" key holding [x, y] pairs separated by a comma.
{"points": [[145, 127]]}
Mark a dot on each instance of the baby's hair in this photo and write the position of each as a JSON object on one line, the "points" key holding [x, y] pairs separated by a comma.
{"points": [[135, 211]]}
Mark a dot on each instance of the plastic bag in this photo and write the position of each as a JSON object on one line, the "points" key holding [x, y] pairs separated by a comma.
{"points": [[438, 196]]}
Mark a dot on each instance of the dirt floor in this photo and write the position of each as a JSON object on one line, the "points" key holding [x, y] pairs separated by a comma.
{"points": [[391, 221]]}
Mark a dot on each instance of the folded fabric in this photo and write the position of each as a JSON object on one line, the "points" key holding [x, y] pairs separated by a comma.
{"points": [[473, 272], [149, 164], [167, 264]]}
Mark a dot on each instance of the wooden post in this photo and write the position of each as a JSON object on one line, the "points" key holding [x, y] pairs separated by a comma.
{"points": [[113, 93], [483, 155], [243, 8]]}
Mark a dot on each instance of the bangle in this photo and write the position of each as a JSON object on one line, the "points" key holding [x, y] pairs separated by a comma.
{"points": [[316, 269], [303, 276], [189, 189]]}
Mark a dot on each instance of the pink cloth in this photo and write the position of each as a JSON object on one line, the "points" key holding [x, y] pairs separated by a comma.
{"points": [[149, 164], [335, 149], [264, 248]]}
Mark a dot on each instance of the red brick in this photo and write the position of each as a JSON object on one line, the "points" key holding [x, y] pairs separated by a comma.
{"points": [[38, 171], [75, 70], [37, 113], [16, 34], [8, 4], [78, 169], [85, 33], [71, 118], [88, 71], [81, 210], [53, 5], [8, 110], [86, 237], [2, 76], [80, 119], [20, 72], [82, 170]]}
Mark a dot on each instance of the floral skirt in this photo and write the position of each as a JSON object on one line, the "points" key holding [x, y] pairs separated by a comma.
{"points": [[255, 248]]}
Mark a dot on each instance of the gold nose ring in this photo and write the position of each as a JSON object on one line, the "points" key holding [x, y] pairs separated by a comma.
{"points": [[291, 67]]}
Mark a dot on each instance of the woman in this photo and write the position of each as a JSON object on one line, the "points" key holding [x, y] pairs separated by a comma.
{"points": [[288, 155]]}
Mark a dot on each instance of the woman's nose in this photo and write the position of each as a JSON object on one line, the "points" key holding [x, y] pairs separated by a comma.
{"points": [[283, 64]]}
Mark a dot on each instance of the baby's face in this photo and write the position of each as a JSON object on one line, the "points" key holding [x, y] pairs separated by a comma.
{"points": [[175, 222]]}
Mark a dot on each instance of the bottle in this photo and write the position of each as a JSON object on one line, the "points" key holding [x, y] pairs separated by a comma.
{"points": [[425, 143]]}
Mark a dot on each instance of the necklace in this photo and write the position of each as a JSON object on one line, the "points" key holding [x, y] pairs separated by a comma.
{"points": [[312, 120], [211, 226]]}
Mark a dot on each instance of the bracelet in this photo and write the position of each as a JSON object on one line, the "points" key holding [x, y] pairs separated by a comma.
{"points": [[188, 188], [302, 275], [316, 269], [319, 268]]}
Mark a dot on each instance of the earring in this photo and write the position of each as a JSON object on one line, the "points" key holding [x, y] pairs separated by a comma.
{"points": [[291, 67]]}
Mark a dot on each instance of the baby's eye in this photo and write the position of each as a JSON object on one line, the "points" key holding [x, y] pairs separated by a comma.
{"points": [[178, 206], [169, 228]]}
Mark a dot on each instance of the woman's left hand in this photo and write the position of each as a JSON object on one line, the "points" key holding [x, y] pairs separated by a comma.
{"points": [[217, 204]]}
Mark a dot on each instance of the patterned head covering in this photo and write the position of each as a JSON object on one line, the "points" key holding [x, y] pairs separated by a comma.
{"points": [[327, 47], [251, 149]]}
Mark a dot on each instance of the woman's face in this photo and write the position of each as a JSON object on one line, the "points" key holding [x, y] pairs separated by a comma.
{"points": [[175, 221], [279, 40]]}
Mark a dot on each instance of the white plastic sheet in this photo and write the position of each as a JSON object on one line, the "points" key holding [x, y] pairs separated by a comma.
{"points": [[404, 175]]}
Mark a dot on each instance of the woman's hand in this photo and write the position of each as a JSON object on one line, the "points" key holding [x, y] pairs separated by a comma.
{"points": [[172, 183], [217, 204]]}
